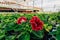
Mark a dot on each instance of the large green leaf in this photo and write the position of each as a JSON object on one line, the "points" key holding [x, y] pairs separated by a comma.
{"points": [[10, 26], [47, 27], [24, 36], [58, 33], [10, 37], [58, 37], [2, 33], [38, 34]]}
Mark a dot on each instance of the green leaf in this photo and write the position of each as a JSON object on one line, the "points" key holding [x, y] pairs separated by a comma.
{"points": [[38, 34], [58, 37], [25, 36], [19, 27], [10, 26], [47, 27], [10, 37], [2, 34]]}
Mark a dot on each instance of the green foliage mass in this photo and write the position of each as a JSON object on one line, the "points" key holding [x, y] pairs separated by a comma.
{"points": [[9, 30]]}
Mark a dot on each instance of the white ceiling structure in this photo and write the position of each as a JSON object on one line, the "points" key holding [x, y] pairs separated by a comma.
{"points": [[47, 5], [25, 4]]}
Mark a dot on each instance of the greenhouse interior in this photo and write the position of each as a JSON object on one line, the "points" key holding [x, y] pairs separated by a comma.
{"points": [[29, 19]]}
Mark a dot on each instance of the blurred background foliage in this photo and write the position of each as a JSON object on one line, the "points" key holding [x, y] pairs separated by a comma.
{"points": [[9, 30]]}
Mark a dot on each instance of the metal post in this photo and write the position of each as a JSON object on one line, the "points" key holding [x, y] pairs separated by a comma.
{"points": [[33, 5], [42, 5], [54, 7]]}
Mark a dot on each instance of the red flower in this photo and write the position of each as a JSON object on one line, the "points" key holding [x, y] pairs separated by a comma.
{"points": [[21, 19], [36, 23]]}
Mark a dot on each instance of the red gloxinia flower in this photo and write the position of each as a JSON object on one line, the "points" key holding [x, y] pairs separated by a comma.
{"points": [[36, 23], [21, 19]]}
